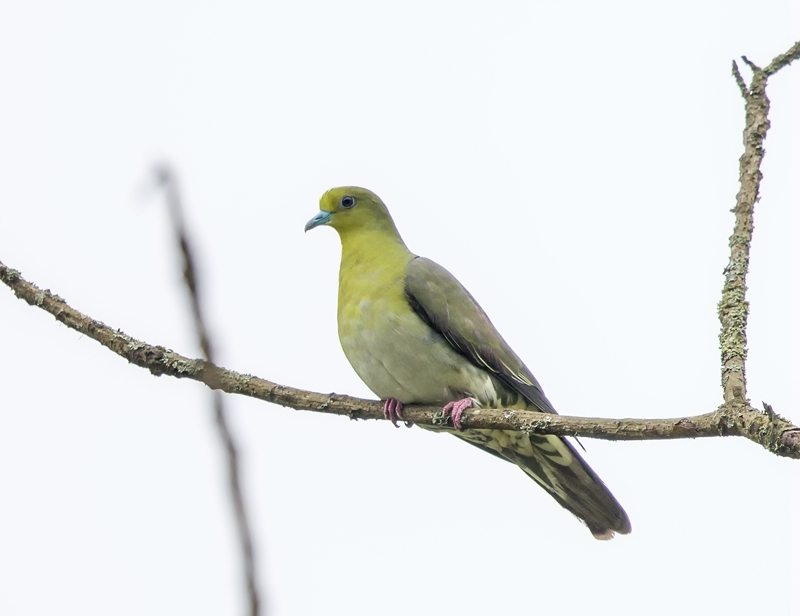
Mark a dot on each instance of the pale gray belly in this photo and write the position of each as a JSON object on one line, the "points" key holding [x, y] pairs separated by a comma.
{"points": [[401, 357]]}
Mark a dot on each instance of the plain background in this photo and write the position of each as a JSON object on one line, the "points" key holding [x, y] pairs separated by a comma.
{"points": [[572, 163]]}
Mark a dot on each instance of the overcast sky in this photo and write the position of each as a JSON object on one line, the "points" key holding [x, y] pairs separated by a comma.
{"points": [[572, 163]]}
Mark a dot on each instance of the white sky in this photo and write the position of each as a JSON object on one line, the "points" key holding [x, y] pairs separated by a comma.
{"points": [[572, 163]]}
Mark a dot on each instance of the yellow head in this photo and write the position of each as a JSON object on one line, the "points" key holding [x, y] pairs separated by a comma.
{"points": [[350, 209]]}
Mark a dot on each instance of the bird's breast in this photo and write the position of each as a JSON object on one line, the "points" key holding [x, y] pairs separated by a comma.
{"points": [[395, 352]]}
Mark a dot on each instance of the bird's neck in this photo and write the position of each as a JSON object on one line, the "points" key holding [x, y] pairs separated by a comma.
{"points": [[372, 258], [373, 247]]}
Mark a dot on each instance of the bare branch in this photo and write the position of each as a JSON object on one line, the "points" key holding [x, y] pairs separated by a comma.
{"points": [[733, 307], [768, 429], [752, 66], [784, 59], [166, 180], [739, 80]]}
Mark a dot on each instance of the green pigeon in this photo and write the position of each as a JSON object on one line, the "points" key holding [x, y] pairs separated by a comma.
{"points": [[415, 335]]}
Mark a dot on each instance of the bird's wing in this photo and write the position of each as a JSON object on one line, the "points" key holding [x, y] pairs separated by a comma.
{"points": [[446, 306]]}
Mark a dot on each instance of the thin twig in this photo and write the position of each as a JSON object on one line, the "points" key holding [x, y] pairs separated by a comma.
{"points": [[739, 80], [752, 66], [733, 307], [766, 428], [166, 180]]}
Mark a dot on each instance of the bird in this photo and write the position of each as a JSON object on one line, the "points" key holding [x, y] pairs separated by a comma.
{"points": [[415, 335]]}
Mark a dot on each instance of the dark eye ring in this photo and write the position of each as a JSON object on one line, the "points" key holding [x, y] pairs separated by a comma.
{"points": [[347, 202]]}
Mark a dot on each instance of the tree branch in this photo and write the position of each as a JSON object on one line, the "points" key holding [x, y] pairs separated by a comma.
{"points": [[784, 59], [733, 307], [735, 418], [766, 428], [165, 179], [739, 79]]}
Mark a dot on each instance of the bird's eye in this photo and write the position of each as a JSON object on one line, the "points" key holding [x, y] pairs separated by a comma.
{"points": [[347, 202]]}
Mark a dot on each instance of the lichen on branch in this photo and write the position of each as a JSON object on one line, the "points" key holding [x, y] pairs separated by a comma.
{"points": [[766, 428]]}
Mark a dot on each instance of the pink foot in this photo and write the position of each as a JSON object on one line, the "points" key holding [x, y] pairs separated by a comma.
{"points": [[456, 409], [393, 410]]}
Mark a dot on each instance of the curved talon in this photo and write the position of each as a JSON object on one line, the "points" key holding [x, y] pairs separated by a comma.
{"points": [[456, 409], [393, 410]]}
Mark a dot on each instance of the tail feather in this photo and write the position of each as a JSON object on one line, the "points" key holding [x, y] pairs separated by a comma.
{"points": [[556, 466]]}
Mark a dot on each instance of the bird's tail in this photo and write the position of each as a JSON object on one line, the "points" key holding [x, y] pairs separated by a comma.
{"points": [[556, 466]]}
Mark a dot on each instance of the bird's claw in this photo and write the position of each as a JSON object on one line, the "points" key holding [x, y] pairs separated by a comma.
{"points": [[393, 410], [456, 409]]}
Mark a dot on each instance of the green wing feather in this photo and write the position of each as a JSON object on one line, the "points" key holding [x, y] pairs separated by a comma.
{"points": [[448, 308], [443, 302]]}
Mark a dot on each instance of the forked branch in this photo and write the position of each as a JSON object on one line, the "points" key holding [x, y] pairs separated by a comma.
{"points": [[736, 417], [766, 428]]}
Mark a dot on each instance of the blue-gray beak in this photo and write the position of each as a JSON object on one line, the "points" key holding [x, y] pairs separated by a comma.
{"points": [[323, 218]]}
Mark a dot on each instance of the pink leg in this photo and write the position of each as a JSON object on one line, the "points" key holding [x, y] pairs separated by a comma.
{"points": [[456, 409], [393, 410]]}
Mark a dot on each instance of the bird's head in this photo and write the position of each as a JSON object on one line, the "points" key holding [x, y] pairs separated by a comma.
{"points": [[350, 209]]}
